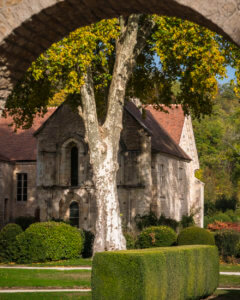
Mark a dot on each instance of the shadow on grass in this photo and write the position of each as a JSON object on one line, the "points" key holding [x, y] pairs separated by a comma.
{"points": [[227, 295]]}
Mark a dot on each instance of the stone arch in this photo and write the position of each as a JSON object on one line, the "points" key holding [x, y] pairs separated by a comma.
{"points": [[65, 203], [65, 161], [29, 27]]}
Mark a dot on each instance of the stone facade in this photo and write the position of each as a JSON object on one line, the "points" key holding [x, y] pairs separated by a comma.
{"points": [[29, 27], [10, 207], [154, 172]]}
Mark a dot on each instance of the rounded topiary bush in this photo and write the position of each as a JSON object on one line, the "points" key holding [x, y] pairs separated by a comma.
{"points": [[49, 241], [8, 243], [156, 236], [195, 236]]}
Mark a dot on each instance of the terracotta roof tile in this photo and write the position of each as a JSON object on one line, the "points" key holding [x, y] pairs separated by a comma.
{"points": [[172, 121], [20, 145], [161, 140]]}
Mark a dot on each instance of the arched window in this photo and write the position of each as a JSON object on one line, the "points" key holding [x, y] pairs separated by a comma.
{"points": [[74, 166], [74, 214]]}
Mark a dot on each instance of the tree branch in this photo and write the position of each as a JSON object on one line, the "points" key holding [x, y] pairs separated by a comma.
{"points": [[129, 45], [90, 113]]}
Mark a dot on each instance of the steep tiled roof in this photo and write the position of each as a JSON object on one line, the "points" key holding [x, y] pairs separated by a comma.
{"points": [[172, 121], [20, 145], [161, 140]]}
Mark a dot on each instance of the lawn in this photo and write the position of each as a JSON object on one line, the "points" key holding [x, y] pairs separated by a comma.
{"points": [[13, 278], [229, 268], [227, 295], [66, 263], [46, 296], [229, 281]]}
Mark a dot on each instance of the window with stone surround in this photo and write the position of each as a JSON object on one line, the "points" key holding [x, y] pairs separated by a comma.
{"points": [[74, 166], [22, 185]]}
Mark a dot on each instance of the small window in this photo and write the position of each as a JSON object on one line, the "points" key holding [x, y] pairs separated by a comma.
{"points": [[74, 214], [74, 166], [22, 186]]}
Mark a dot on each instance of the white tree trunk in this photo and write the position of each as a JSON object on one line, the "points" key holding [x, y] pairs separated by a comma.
{"points": [[104, 140]]}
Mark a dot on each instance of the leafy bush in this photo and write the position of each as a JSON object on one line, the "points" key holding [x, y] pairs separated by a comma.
{"points": [[130, 240], [224, 203], [235, 217], [88, 244], [146, 220], [151, 219], [190, 272], [49, 241], [8, 243], [195, 236], [168, 222], [227, 242], [221, 217], [156, 236], [209, 208], [25, 222], [187, 221]]}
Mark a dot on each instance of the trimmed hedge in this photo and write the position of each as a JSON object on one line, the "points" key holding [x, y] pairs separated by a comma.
{"points": [[183, 272], [156, 236], [48, 241], [8, 243], [195, 236]]}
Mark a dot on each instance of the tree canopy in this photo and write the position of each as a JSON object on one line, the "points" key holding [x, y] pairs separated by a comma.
{"points": [[177, 51], [218, 144]]}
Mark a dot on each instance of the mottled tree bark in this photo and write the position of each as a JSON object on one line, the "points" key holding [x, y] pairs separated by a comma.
{"points": [[104, 140]]}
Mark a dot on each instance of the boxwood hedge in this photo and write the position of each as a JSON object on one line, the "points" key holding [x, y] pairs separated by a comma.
{"points": [[195, 236], [170, 273], [156, 236], [48, 241]]}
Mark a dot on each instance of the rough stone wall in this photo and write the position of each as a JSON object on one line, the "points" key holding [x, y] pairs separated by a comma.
{"points": [[10, 208], [196, 200], [24, 208], [29, 27], [54, 193], [6, 188], [170, 186]]}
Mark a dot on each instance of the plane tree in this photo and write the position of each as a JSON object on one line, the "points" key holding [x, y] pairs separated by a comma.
{"points": [[97, 67]]}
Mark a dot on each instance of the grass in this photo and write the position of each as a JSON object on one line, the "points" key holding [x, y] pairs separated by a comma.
{"points": [[14, 278], [66, 263], [229, 268], [46, 296], [229, 281], [226, 295]]}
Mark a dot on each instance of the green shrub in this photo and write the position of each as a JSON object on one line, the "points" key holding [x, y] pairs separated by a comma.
{"points": [[233, 215], [88, 244], [186, 272], [25, 222], [130, 240], [8, 243], [146, 220], [187, 221], [227, 242], [224, 203], [49, 241], [168, 222], [151, 219], [195, 236], [156, 236], [221, 217]]}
